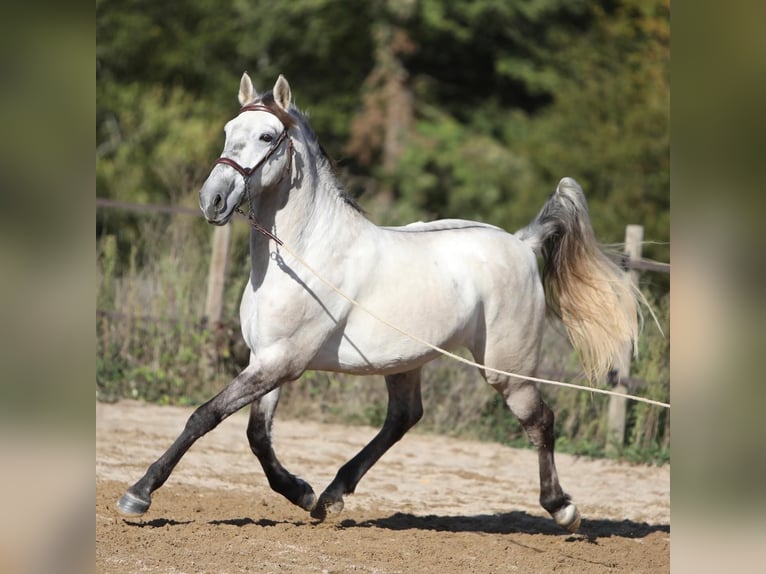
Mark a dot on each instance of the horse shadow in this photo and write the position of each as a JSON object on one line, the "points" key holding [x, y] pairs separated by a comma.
{"points": [[156, 522], [509, 523], [504, 523]]}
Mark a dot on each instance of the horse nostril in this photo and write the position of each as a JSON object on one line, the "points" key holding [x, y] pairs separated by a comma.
{"points": [[217, 200]]}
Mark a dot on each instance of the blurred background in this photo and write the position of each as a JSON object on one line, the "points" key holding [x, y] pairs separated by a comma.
{"points": [[432, 109], [605, 63]]}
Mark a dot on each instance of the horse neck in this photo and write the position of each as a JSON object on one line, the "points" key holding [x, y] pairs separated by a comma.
{"points": [[308, 209]]}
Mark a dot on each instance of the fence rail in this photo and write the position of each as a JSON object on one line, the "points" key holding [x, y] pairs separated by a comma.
{"points": [[643, 264]]}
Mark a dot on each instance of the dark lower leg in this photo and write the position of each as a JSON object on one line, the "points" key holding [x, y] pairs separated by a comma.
{"points": [[539, 428], [537, 419], [240, 392], [404, 410], [281, 481]]}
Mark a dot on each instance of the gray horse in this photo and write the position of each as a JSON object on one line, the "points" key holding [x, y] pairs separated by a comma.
{"points": [[452, 283]]}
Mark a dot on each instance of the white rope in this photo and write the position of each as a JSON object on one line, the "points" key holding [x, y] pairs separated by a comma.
{"points": [[458, 357]]}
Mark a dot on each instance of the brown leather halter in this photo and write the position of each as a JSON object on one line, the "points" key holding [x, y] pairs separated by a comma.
{"points": [[247, 172]]}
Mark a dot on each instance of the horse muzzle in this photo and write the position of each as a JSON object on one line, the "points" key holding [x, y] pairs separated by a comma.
{"points": [[214, 203]]}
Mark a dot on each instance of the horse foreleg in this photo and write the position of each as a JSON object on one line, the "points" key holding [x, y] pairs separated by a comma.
{"points": [[404, 410], [537, 419], [243, 390], [291, 487]]}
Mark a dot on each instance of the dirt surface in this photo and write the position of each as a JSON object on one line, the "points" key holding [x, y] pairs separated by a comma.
{"points": [[431, 505]]}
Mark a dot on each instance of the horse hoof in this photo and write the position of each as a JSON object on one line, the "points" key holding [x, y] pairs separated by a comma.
{"points": [[336, 507], [319, 512], [568, 517], [323, 508], [130, 505], [307, 500]]}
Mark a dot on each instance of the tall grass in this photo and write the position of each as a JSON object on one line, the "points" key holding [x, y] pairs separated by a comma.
{"points": [[152, 345]]}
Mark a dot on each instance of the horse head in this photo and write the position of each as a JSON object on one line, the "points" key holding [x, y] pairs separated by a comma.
{"points": [[257, 152]]}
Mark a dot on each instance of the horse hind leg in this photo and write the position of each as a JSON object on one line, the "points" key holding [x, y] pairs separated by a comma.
{"points": [[405, 409], [524, 400], [294, 489]]}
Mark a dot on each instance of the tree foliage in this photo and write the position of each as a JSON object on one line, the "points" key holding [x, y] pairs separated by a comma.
{"points": [[433, 108]]}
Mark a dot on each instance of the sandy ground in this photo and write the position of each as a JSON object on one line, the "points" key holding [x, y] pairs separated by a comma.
{"points": [[431, 505]]}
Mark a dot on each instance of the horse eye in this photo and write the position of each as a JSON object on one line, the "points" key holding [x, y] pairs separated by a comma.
{"points": [[266, 138]]}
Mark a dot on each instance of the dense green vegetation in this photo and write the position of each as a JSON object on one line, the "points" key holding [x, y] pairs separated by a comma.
{"points": [[433, 109]]}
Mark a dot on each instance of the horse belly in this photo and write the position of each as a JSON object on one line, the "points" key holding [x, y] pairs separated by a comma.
{"points": [[392, 340], [375, 355]]}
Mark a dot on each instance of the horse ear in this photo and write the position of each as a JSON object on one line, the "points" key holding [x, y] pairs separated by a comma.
{"points": [[247, 92], [282, 94]]}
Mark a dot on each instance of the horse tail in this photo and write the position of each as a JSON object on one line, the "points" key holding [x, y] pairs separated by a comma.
{"points": [[594, 299]]}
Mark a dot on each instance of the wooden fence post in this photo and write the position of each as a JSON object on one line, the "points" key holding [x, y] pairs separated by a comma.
{"points": [[634, 236], [217, 274], [216, 279]]}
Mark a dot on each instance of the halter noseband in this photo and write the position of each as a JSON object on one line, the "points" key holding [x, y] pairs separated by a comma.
{"points": [[246, 172]]}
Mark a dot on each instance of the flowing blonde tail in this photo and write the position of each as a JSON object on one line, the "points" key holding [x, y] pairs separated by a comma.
{"points": [[598, 305]]}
